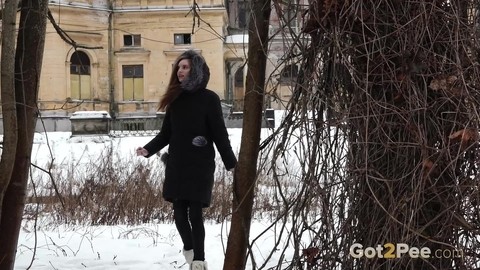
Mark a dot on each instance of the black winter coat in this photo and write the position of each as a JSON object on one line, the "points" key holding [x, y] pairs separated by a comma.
{"points": [[190, 169]]}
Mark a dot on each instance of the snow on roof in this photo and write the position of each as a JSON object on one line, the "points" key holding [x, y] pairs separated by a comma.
{"points": [[236, 39], [90, 115]]}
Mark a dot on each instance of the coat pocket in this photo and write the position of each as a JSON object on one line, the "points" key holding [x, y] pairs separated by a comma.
{"points": [[199, 141]]}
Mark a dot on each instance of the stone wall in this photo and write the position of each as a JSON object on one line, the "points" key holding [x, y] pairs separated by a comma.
{"points": [[100, 123]]}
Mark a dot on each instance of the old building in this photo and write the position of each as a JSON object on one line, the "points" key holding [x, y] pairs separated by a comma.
{"points": [[125, 52], [117, 56]]}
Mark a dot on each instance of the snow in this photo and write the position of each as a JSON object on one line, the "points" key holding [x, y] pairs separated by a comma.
{"points": [[147, 246], [236, 39], [90, 115]]}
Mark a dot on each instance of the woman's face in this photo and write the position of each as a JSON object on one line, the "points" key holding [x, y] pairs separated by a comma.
{"points": [[183, 69]]}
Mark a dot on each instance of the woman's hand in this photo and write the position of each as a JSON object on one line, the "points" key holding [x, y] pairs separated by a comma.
{"points": [[142, 151]]}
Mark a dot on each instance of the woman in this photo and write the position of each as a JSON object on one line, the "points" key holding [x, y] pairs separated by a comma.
{"points": [[193, 122]]}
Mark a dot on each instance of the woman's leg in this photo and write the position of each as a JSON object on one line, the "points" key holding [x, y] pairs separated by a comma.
{"points": [[198, 230], [180, 215]]}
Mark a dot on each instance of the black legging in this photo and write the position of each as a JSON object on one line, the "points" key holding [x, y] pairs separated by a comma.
{"points": [[188, 217]]}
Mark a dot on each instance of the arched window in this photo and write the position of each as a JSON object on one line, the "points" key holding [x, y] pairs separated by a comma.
{"points": [[80, 82]]}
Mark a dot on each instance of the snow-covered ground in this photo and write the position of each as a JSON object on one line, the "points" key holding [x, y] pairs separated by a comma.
{"points": [[146, 246]]}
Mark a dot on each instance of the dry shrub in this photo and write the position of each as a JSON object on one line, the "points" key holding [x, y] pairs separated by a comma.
{"points": [[105, 191], [116, 190]]}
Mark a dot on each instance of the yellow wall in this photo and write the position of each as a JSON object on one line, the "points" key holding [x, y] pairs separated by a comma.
{"points": [[87, 23], [85, 27], [156, 25]]}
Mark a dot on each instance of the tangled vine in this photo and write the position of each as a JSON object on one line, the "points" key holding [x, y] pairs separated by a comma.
{"points": [[384, 126]]}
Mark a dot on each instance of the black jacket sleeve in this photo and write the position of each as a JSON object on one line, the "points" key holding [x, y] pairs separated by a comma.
{"points": [[219, 133], [162, 139]]}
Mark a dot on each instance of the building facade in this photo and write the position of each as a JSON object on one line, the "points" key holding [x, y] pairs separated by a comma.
{"points": [[125, 51], [120, 53]]}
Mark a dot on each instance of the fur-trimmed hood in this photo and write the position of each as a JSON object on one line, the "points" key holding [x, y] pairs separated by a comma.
{"points": [[199, 71]]}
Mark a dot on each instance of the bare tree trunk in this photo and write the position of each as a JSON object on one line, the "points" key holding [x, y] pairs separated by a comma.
{"points": [[28, 63], [8, 96], [245, 174]]}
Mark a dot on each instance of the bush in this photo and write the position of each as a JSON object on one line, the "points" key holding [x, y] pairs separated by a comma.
{"points": [[112, 190]]}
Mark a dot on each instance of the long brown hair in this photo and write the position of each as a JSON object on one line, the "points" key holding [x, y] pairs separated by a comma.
{"points": [[197, 78], [173, 88]]}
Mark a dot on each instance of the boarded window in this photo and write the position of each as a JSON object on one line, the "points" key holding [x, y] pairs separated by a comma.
{"points": [[132, 82], [80, 83]]}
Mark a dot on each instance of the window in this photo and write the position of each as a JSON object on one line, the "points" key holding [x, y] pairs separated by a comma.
{"points": [[243, 14], [132, 40], [132, 82], [239, 77], [182, 39], [289, 73], [80, 76], [238, 13], [290, 17]]}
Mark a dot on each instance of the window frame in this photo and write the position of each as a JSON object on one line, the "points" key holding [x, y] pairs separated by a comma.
{"points": [[186, 39], [134, 76], [289, 73], [82, 83], [135, 40]]}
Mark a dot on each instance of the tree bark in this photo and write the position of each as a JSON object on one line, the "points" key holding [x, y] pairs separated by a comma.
{"points": [[28, 63], [246, 170], [8, 96]]}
